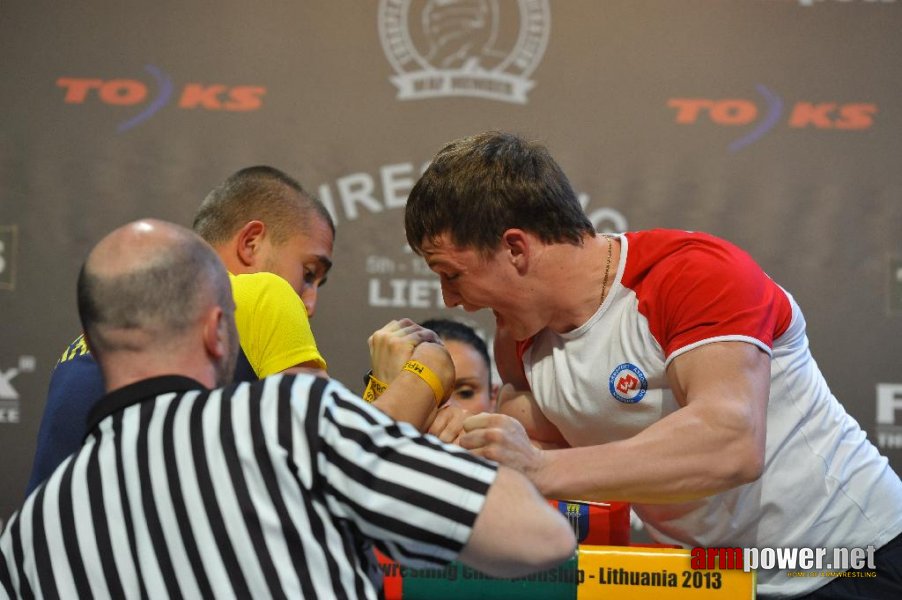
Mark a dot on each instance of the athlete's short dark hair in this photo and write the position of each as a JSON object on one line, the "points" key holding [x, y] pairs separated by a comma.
{"points": [[478, 187], [260, 193]]}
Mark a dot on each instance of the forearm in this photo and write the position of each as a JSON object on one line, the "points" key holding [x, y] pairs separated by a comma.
{"points": [[408, 399], [412, 397], [688, 455], [521, 405], [502, 545], [714, 442]]}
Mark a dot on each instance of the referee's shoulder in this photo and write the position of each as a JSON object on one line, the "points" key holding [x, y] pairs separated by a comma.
{"points": [[286, 382]]}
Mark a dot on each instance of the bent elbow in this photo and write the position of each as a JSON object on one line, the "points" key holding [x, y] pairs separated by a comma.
{"points": [[555, 547], [559, 546], [549, 547], [558, 543], [747, 467], [752, 471], [742, 449]]}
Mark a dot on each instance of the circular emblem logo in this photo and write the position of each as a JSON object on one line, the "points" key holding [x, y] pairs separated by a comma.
{"points": [[481, 48], [628, 383]]}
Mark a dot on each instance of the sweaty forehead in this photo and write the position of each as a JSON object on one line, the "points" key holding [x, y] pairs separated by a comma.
{"points": [[445, 253], [441, 245], [441, 258], [315, 239]]}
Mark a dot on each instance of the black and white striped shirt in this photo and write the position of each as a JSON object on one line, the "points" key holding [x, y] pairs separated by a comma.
{"points": [[270, 489]]}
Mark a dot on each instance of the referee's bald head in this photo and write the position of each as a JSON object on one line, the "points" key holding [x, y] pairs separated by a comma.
{"points": [[147, 286]]}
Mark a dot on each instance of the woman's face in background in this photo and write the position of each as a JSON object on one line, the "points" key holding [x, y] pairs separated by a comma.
{"points": [[471, 386]]}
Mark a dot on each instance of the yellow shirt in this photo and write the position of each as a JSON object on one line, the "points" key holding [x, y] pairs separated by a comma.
{"points": [[272, 324]]}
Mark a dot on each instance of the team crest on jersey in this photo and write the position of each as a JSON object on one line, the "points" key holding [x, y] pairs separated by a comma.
{"points": [[628, 383], [477, 48]]}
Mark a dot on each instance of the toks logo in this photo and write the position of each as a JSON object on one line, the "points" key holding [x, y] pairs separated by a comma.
{"points": [[131, 92], [803, 114]]}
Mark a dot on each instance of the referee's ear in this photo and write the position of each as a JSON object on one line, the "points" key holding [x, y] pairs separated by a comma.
{"points": [[216, 333]]}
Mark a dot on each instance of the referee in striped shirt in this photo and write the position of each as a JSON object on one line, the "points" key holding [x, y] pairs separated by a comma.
{"points": [[272, 489]]}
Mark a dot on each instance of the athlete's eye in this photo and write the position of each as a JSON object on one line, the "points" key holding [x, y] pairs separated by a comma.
{"points": [[465, 393], [312, 277]]}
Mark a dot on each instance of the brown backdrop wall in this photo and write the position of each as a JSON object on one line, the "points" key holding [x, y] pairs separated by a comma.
{"points": [[773, 123]]}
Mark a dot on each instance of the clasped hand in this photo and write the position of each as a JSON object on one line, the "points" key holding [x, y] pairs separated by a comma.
{"points": [[503, 439]]}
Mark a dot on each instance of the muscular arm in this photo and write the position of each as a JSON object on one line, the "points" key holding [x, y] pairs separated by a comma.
{"points": [[515, 398], [509, 366], [521, 405], [408, 397], [517, 531], [427, 503], [711, 444]]}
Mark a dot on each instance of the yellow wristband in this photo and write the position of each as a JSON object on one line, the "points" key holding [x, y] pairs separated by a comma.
{"points": [[374, 389], [426, 374]]}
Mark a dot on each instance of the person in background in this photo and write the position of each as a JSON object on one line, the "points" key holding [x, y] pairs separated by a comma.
{"points": [[473, 387], [276, 488], [260, 219], [276, 241]]}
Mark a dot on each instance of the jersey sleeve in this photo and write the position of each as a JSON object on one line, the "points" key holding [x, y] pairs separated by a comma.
{"points": [[272, 323], [707, 290], [76, 385], [417, 497]]}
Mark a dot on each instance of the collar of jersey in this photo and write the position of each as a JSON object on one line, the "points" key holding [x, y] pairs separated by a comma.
{"points": [[136, 392]]}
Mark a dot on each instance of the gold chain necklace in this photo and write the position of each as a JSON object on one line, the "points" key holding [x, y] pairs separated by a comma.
{"points": [[607, 267]]}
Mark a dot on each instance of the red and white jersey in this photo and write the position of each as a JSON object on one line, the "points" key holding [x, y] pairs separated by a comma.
{"points": [[824, 484]]}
